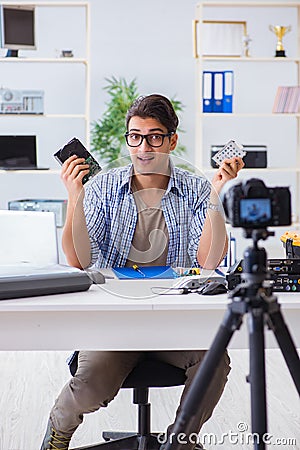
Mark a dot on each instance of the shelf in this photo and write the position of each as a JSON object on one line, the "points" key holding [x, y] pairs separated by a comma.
{"points": [[254, 88], [45, 116], [253, 59], [246, 115], [41, 61], [30, 171], [247, 4], [49, 3], [44, 60]]}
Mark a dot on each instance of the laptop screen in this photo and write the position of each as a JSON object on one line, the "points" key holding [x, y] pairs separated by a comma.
{"points": [[17, 151], [28, 238]]}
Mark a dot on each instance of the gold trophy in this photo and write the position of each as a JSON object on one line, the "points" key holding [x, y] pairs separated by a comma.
{"points": [[280, 31]]}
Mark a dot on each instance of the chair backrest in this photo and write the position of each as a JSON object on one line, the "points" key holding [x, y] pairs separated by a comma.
{"points": [[28, 237]]}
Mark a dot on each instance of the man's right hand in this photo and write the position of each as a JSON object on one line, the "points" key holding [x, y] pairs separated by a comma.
{"points": [[75, 239], [72, 172]]}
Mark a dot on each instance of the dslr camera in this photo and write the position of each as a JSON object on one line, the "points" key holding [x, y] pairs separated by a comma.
{"points": [[252, 205]]}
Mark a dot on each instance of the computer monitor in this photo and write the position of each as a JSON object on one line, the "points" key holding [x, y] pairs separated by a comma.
{"points": [[17, 27]]}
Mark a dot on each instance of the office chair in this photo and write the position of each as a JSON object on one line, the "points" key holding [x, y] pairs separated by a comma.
{"points": [[148, 373]]}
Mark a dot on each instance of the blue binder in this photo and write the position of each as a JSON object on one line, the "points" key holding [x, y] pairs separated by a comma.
{"points": [[218, 91], [227, 91], [207, 91], [217, 88]]}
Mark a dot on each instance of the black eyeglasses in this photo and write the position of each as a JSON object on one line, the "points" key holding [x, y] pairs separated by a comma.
{"points": [[153, 140]]}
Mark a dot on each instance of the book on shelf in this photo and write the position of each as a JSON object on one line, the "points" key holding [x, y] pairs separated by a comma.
{"points": [[217, 91], [287, 100]]}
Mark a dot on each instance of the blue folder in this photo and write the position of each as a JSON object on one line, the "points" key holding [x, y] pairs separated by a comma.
{"points": [[207, 89], [228, 91], [144, 272], [218, 91]]}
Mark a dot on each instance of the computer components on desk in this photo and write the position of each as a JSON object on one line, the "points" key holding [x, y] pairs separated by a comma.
{"points": [[283, 275]]}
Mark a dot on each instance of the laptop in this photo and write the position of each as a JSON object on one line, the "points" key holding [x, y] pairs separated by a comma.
{"points": [[29, 263], [19, 152]]}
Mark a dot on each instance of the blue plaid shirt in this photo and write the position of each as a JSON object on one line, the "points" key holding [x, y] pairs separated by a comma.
{"points": [[111, 216]]}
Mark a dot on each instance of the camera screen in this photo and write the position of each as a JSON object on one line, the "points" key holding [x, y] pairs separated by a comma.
{"points": [[255, 210]]}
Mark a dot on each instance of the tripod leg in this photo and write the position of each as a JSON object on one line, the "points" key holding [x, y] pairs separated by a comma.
{"points": [[286, 344], [231, 322], [257, 377]]}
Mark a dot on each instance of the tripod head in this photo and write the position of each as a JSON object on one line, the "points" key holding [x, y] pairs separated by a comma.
{"points": [[255, 257], [254, 265]]}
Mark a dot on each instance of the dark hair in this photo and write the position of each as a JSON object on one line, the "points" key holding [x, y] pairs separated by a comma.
{"points": [[156, 106]]}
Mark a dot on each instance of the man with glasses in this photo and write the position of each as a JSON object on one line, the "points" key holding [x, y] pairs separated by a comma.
{"points": [[149, 213]]}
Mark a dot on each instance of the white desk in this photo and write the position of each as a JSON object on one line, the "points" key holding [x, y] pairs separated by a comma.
{"points": [[125, 316]]}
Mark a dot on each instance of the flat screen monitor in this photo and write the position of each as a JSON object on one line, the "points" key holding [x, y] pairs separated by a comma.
{"points": [[17, 26]]}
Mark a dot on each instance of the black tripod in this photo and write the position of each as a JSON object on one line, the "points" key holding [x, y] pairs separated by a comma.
{"points": [[253, 298]]}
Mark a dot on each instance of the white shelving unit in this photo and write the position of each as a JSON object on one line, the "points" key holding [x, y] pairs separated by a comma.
{"points": [[256, 78], [58, 67], [67, 110]]}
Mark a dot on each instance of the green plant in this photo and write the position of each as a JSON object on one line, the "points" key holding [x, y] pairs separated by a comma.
{"points": [[107, 133]]}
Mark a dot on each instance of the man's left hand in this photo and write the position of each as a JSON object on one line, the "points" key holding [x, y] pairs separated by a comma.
{"points": [[227, 171]]}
